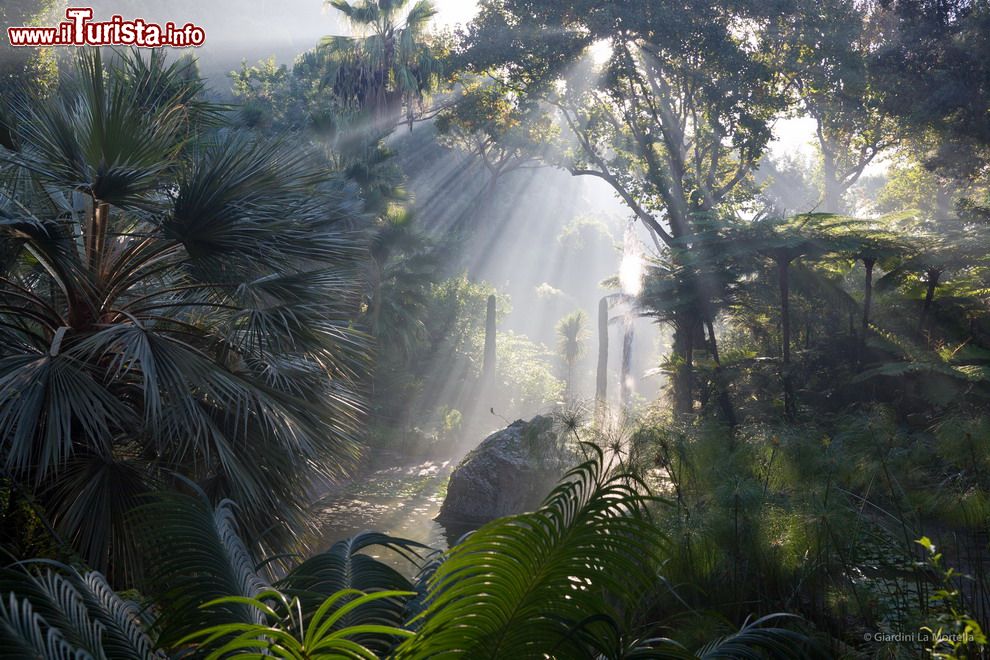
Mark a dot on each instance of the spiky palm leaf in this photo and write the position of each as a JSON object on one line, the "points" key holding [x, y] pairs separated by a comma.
{"points": [[390, 67], [345, 566], [290, 634], [549, 582], [755, 640], [171, 305], [194, 554], [58, 612], [24, 634]]}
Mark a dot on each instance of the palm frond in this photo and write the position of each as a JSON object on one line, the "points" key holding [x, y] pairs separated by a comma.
{"points": [[344, 566], [23, 633], [757, 640], [77, 610], [194, 556], [286, 632], [548, 582]]}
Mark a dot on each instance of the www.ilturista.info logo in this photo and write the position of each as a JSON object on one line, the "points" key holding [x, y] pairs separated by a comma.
{"points": [[80, 30]]}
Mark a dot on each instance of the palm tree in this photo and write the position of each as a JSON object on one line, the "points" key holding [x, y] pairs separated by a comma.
{"points": [[390, 68], [403, 266], [571, 333], [176, 304]]}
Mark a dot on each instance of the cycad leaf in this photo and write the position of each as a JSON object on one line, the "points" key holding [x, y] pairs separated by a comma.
{"points": [[527, 585], [195, 555]]}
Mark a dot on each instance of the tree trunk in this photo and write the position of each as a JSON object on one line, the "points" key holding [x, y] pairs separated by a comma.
{"points": [[625, 386], [832, 199], [488, 366], [682, 381], [933, 277], [943, 198], [832, 187], [601, 380], [869, 263], [724, 402], [783, 266]]}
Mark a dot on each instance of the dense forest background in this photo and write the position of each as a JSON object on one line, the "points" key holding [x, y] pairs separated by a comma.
{"points": [[732, 252]]}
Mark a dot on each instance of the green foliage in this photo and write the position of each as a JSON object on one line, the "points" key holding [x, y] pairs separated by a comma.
{"points": [[958, 635], [525, 373], [287, 634], [815, 518], [387, 73], [499, 592], [827, 50], [264, 90], [949, 43], [59, 612], [26, 71], [505, 131], [572, 333], [167, 308], [567, 580]]}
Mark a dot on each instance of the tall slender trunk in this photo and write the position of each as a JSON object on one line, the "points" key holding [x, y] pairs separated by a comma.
{"points": [[96, 235], [488, 365], [83, 306], [625, 391], [943, 198], [785, 309], [869, 263], [833, 190], [681, 380], [601, 377], [683, 377], [933, 277], [832, 199], [783, 267], [724, 401]]}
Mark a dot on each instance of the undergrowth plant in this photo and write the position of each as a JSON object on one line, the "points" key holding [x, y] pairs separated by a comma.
{"points": [[572, 580]]}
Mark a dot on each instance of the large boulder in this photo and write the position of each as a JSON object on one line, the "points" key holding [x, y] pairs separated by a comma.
{"points": [[511, 471]]}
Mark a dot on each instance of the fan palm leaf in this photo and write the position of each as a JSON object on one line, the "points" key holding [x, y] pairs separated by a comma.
{"points": [[175, 300]]}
